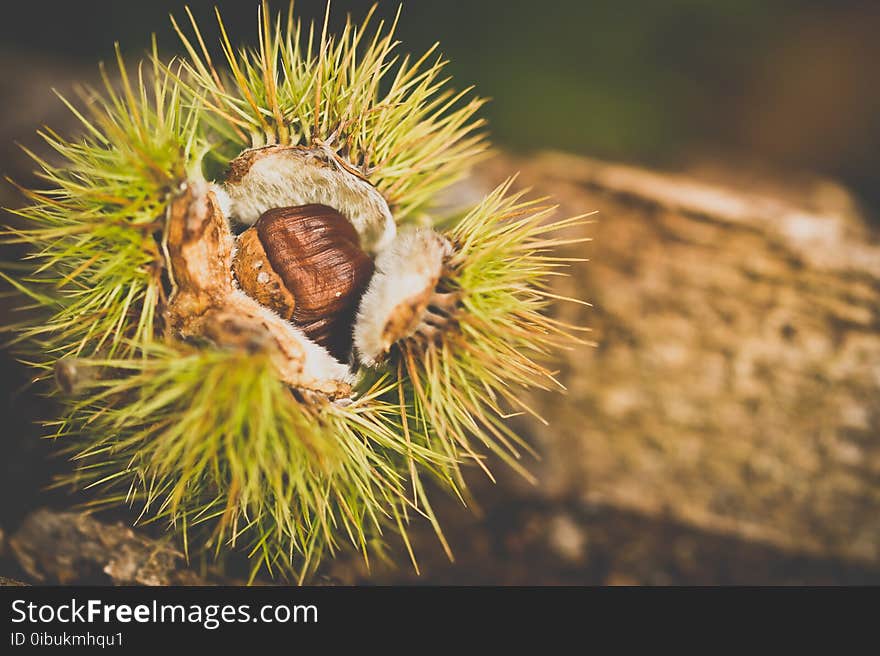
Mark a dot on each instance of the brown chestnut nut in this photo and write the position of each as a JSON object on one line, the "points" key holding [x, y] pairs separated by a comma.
{"points": [[306, 264]]}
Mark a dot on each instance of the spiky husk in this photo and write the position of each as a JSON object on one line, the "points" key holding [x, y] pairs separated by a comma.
{"points": [[210, 440], [462, 386], [411, 139], [94, 262], [213, 442]]}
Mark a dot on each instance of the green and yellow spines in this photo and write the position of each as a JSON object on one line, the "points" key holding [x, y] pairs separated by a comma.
{"points": [[394, 119], [210, 439]]}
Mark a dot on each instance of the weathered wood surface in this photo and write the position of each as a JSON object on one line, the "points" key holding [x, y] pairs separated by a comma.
{"points": [[736, 382], [69, 547]]}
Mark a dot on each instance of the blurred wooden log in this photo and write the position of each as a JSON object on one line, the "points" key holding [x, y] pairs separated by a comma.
{"points": [[70, 547], [736, 382]]}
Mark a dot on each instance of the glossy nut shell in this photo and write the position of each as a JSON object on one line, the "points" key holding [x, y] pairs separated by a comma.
{"points": [[306, 264]]}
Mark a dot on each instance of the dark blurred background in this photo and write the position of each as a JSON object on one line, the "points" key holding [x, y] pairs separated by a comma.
{"points": [[779, 85], [789, 83]]}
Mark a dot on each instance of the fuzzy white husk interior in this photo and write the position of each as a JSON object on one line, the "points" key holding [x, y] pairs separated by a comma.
{"points": [[284, 177], [407, 269]]}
